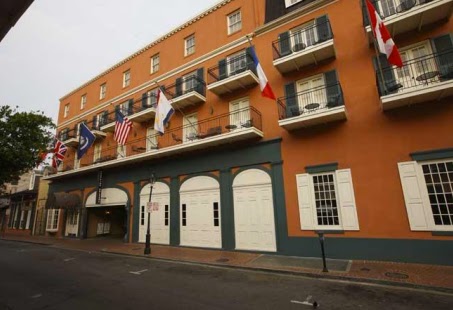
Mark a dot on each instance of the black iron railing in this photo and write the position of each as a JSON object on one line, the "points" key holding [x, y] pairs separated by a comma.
{"points": [[416, 73], [386, 8], [231, 66], [186, 85], [67, 134], [211, 127], [298, 40], [309, 102]]}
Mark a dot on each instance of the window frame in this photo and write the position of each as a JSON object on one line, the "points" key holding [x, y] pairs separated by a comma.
{"points": [[102, 91], [126, 78], [155, 63], [83, 101], [66, 110], [53, 214], [231, 25], [189, 50]]}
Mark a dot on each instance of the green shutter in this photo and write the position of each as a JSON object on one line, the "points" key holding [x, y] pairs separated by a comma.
{"points": [[391, 85], [222, 69], [95, 123], [250, 62], [292, 108], [323, 29], [144, 100], [443, 47], [333, 89], [284, 44], [200, 85]]}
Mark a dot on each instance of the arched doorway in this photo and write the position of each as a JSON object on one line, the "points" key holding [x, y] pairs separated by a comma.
{"points": [[254, 211]]}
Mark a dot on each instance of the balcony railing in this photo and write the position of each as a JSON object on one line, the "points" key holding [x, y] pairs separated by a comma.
{"points": [[226, 127], [186, 91], [231, 67], [420, 79], [133, 109], [401, 16], [66, 135], [302, 39], [307, 108]]}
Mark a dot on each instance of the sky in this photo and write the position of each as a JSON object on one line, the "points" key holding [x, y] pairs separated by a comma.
{"points": [[57, 45]]}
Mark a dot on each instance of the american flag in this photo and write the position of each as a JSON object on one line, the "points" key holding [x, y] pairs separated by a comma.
{"points": [[122, 127], [58, 153]]}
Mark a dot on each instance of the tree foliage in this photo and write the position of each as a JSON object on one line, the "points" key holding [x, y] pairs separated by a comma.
{"points": [[23, 137]]}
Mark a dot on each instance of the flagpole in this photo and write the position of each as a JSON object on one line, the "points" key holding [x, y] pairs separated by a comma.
{"points": [[183, 115], [375, 45]]}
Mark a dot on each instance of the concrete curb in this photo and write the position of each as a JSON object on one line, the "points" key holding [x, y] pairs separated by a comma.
{"points": [[26, 241]]}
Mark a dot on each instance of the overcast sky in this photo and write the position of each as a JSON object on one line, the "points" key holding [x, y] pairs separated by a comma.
{"points": [[57, 45]]}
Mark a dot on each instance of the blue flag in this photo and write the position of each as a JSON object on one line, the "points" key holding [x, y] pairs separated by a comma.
{"points": [[86, 139]]}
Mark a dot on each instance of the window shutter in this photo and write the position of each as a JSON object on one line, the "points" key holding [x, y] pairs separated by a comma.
{"points": [[104, 118], [130, 107], [323, 29], [144, 100], [249, 59], [178, 87], [366, 22], [346, 200], [117, 108], [387, 72], [95, 122], [284, 45], [292, 108], [200, 82], [443, 47], [412, 191], [333, 89], [306, 208], [222, 69]]}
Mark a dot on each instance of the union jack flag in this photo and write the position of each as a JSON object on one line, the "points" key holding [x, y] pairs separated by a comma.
{"points": [[58, 153]]}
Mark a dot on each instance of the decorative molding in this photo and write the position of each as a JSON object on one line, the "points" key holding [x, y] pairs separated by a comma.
{"points": [[322, 168], [432, 154]]}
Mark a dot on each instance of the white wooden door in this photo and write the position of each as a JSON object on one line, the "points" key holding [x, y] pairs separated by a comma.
{"points": [[160, 219], [200, 219], [72, 223], [239, 112], [311, 93], [415, 65], [254, 212], [190, 131]]}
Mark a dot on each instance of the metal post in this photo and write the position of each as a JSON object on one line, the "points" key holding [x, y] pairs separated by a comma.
{"points": [[147, 251], [321, 240]]}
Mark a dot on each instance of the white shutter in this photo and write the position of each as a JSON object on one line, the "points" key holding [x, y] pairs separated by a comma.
{"points": [[346, 200], [306, 212], [413, 198]]}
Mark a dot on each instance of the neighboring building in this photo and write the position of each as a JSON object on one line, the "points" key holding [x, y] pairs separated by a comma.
{"points": [[363, 156]]}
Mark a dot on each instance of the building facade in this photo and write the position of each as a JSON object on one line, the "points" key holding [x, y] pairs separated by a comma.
{"points": [[352, 147]]}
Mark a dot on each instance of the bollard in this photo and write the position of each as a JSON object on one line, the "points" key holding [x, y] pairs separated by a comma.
{"points": [[321, 240]]}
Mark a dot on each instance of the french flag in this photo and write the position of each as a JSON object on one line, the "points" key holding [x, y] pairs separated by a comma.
{"points": [[266, 90]]}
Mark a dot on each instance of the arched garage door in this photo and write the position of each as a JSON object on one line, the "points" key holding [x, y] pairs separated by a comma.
{"points": [[200, 212], [160, 219], [254, 211]]}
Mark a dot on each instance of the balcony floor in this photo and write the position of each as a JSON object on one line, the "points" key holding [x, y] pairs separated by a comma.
{"points": [[235, 82], [312, 119]]}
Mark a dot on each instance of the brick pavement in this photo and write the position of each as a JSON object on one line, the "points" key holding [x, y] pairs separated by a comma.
{"points": [[430, 277]]}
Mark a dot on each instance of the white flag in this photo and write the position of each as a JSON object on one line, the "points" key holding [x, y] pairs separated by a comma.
{"points": [[164, 111]]}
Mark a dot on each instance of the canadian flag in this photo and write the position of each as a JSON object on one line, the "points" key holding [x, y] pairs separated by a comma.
{"points": [[383, 38]]}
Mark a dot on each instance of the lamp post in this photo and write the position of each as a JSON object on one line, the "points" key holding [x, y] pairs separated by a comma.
{"points": [[152, 180]]}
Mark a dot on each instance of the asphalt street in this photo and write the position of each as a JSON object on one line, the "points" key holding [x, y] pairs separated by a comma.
{"points": [[44, 277]]}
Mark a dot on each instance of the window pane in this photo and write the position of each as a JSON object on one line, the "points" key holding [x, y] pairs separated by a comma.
{"points": [[325, 201]]}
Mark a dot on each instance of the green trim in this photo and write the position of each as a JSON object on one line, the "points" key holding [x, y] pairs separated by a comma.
{"points": [[136, 210], [322, 168], [432, 154], [329, 232], [278, 193], [174, 211], [442, 233], [227, 210]]}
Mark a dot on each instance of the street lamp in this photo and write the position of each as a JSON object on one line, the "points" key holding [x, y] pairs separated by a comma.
{"points": [[152, 180]]}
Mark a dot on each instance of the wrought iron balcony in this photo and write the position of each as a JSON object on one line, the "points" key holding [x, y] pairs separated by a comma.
{"points": [[69, 137], [401, 16], [302, 47], [231, 74], [240, 125], [307, 108], [186, 91], [423, 79]]}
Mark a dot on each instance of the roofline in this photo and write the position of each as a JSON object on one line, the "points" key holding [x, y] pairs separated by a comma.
{"points": [[148, 46]]}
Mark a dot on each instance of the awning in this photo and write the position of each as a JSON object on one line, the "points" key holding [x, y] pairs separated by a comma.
{"points": [[63, 201]]}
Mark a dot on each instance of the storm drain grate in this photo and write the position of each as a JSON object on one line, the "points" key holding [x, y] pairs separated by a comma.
{"points": [[222, 260], [396, 275]]}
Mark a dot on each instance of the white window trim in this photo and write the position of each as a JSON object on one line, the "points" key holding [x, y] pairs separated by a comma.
{"points": [[289, 3], [83, 101], [151, 139], [344, 189], [186, 47], [97, 151], [66, 110], [230, 25], [416, 196], [229, 62], [102, 91], [126, 78], [154, 64], [121, 151], [51, 215]]}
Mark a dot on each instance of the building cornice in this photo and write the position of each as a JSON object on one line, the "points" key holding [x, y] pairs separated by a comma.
{"points": [[164, 37]]}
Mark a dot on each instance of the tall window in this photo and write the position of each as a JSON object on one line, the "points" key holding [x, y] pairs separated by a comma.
{"points": [[102, 91], [83, 101], [303, 36], [189, 44], [189, 82], [66, 110], [151, 139], [234, 22], [151, 97], [190, 129], [236, 63], [52, 219], [155, 61], [309, 91], [120, 151], [239, 113], [126, 78], [97, 152]]}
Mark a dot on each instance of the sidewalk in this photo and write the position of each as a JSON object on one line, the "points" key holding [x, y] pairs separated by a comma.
{"points": [[427, 277]]}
